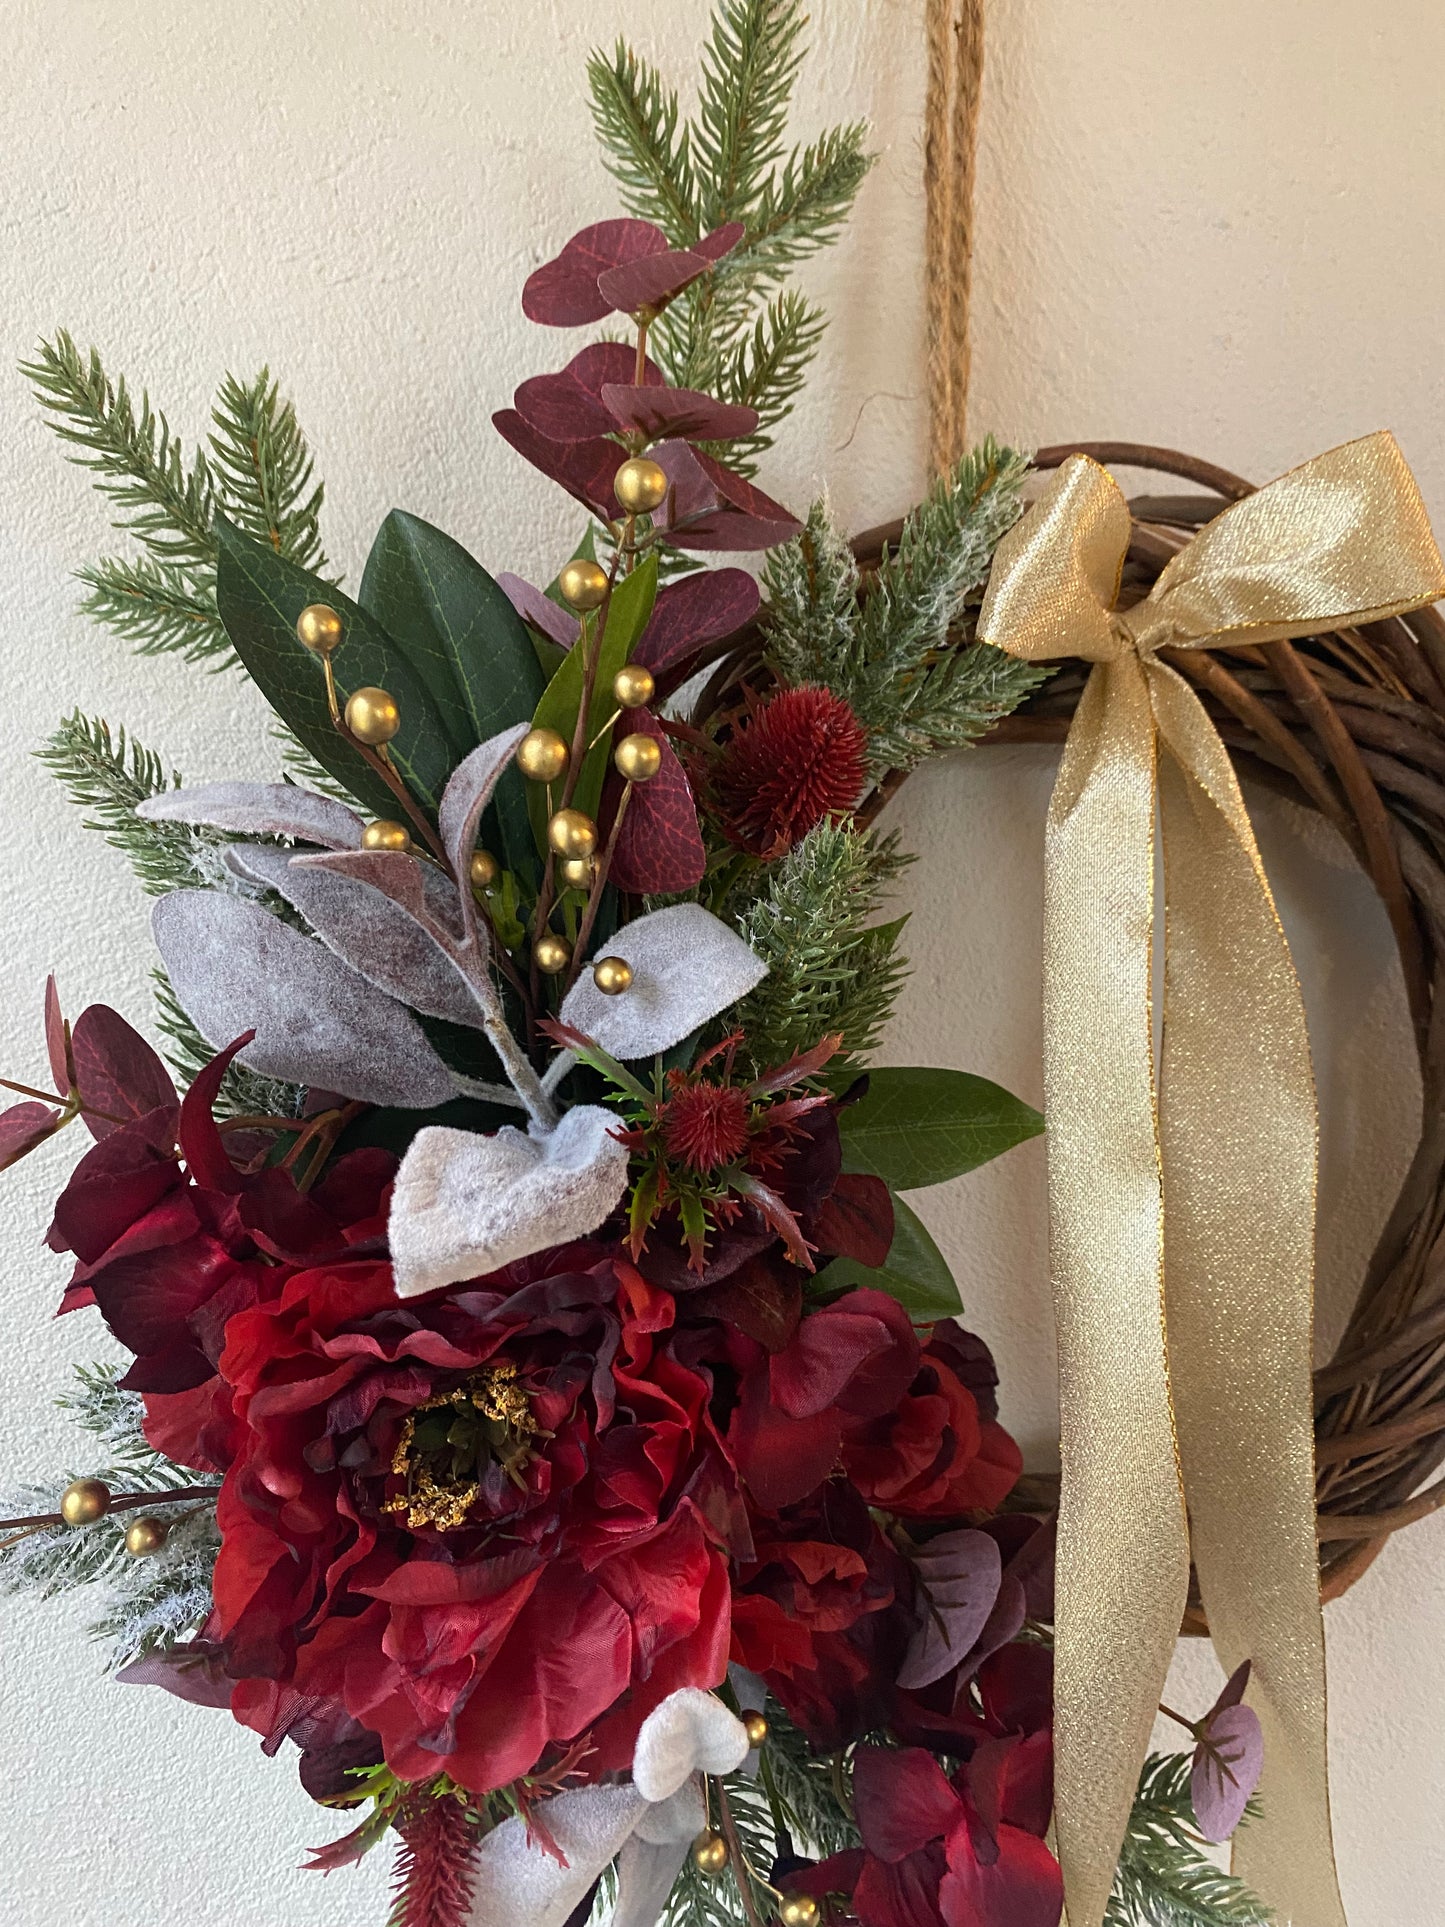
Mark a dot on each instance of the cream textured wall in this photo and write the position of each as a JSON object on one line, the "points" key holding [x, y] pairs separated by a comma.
{"points": [[1210, 226]]}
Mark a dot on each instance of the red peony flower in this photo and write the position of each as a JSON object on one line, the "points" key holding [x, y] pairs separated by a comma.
{"points": [[799, 760], [485, 1523]]}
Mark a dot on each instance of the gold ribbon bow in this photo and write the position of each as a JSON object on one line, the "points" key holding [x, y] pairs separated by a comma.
{"points": [[1185, 1335]]}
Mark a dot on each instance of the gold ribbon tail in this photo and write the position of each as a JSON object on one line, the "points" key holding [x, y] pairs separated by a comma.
{"points": [[1181, 1222]]}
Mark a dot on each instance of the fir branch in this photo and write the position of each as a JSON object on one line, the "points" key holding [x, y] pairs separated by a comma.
{"points": [[153, 1602], [808, 1791], [767, 369], [715, 1900], [1164, 1878], [903, 656], [749, 64], [155, 605], [107, 776], [828, 970], [263, 470], [136, 460], [802, 209], [636, 119]]}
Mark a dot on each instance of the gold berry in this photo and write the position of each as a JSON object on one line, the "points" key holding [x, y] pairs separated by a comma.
{"points": [[318, 628], [145, 1535], [798, 1910], [709, 1851], [633, 686], [612, 975], [572, 833], [542, 755], [372, 716], [552, 954], [578, 872], [638, 757], [582, 584], [84, 1501], [640, 485], [756, 1728], [483, 869], [383, 834]]}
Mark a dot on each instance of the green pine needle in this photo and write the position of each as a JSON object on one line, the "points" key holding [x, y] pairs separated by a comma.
{"points": [[903, 655], [636, 118], [831, 967], [1164, 1878], [263, 470], [107, 776]]}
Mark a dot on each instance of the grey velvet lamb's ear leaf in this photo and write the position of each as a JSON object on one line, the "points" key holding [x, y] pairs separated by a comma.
{"points": [[259, 809], [367, 929], [469, 791], [234, 967], [687, 965]]}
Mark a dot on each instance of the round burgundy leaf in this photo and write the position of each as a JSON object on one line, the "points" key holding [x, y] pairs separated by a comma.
{"points": [[656, 412], [563, 292], [1227, 1764]]}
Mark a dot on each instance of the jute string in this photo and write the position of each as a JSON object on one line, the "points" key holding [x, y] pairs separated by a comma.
{"points": [[950, 139]]}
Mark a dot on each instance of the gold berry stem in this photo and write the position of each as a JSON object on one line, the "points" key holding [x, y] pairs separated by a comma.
{"points": [[745, 1874], [120, 1502], [381, 764], [603, 731], [594, 900]]}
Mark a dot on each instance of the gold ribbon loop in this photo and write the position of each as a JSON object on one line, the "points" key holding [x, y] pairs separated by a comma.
{"points": [[1185, 1337]]}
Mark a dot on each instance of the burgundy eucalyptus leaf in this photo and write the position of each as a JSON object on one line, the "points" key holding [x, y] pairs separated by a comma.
{"points": [[656, 412], [1227, 1764], [958, 1576], [708, 507], [722, 240], [56, 1047], [649, 283], [659, 847], [585, 469], [1004, 1623], [563, 292], [193, 1671], [22, 1127], [545, 615], [690, 614], [568, 406], [855, 1220], [116, 1071], [259, 809], [234, 967]]}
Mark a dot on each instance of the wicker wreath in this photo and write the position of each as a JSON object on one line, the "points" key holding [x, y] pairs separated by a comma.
{"points": [[1353, 724]]}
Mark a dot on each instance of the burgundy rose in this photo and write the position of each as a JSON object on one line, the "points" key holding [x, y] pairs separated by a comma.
{"points": [[484, 1524]]}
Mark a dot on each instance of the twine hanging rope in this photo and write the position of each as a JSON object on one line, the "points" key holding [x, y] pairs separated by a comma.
{"points": [[950, 139]]}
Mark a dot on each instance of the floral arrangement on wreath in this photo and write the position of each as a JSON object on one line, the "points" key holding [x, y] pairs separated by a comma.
{"points": [[543, 1411]]}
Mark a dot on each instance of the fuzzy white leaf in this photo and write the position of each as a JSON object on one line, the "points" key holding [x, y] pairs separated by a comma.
{"points": [[468, 791], [517, 1883], [234, 968], [464, 1205], [259, 809], [686, 967], [690, 1732]]}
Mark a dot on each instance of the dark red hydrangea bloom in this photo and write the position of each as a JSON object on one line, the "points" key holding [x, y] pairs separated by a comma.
{"points": [[485, 1522], [798, 760], [939, 1852], [854, 1390]]}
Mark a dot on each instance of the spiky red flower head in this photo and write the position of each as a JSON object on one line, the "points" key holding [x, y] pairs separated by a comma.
{"points": [[705, 1126], [798, 760]]}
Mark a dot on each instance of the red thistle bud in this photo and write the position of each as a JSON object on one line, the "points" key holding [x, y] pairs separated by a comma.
{"points": [[705, 1126], [798, 760]]}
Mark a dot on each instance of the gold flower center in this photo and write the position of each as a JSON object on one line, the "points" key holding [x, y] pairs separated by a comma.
{"points": [[447, 1443]]}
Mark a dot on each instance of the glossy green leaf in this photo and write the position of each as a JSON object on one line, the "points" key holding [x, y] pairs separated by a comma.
{"points": [[915, 1271], [628, 609], [916, 1127], [461, 634], [259, 595]]}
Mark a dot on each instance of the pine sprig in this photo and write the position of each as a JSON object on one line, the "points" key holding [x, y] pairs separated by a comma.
{"points": [[263, 470], [258, 472], [810, 1794], [153, 1602], [107, 776], [1164, 1878], [735, 333], [903, 655], [830, 966], [715, 1900]]}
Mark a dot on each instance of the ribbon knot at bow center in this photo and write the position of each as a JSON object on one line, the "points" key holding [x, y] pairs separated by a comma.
{"points": [[1182, 1191]]}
